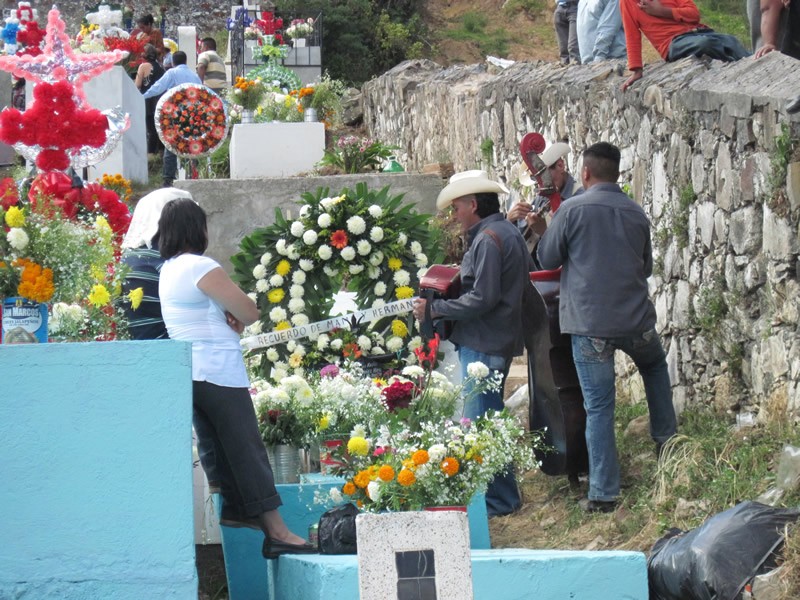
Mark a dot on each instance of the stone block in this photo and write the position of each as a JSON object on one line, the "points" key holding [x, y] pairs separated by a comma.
{"points": [[780, 237], [275, 149], [793, 185], [680, 305], [744, 235], [705, 222]]}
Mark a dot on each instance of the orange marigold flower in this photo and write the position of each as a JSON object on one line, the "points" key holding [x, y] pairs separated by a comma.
{"points": [[406, 478], [339, 239], [449, 466], [361, 479], [349, 488], [386, 473], [359, 504], [420, 457], [478, 459]]}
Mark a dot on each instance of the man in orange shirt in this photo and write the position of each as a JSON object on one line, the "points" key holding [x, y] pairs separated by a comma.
{"points": [[675, 30]]}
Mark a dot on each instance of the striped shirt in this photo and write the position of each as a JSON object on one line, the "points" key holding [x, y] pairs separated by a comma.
{"points": [[215, 76], [144, 323]]}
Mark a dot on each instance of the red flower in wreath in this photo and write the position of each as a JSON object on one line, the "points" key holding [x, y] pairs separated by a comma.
{"points": [[9, 196], [191, 120], [339, 239]]}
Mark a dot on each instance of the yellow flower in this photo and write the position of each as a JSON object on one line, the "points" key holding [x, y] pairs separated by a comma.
{"points": [[99, 295], [276, 295], [358, 446], [295, 360], [399, 328], [135, 296], [395, 264], [404, 292], [283, 325], [103, 228], [323, 423], [98, 272], [15, 217], [361, 479], [283, 268]]}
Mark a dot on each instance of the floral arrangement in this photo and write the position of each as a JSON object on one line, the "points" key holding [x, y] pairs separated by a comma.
{"points": [[280, 410], [352, 154], [247, 93], [361, 240], [268, 24], [133, 46], [61, 245], [272, 53], [300, 28], [191, 120], [118, 184], [303, 95], [279, 76]]}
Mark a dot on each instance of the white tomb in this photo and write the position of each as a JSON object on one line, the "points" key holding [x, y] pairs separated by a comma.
{"points": [[187, 42], [275, 149]]}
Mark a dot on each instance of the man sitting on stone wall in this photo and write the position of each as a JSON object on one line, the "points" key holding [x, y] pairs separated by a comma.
{"points": [[675, 30]]}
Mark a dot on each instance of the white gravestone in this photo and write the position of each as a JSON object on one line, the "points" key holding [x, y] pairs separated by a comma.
{"points": [[113, 89], [275, 149], [410, 555], [187, 42]]}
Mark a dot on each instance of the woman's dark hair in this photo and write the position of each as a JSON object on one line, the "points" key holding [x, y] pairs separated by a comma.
{"points": [[150, 52], [181, 229], [146, 20], [487, 204]]}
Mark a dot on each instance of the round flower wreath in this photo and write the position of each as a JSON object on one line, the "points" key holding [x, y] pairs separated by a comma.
{"points": [[363, 241], [191, 120]]}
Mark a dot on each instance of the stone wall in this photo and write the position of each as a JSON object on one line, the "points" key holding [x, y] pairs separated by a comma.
{"points": [[699, 143]]}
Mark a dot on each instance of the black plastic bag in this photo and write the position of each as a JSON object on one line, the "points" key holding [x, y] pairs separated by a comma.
{"points": [[337, 530], [717, 559]]}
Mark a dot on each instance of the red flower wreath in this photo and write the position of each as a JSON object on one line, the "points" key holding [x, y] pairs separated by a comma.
{"points": [[191, 120]]}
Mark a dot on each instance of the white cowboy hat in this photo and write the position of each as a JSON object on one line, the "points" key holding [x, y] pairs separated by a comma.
{"points": [[466, 183], [554, 152]]}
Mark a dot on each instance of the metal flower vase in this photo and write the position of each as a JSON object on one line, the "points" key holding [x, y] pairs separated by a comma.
{"points": [[247, 116], [286, 463]]}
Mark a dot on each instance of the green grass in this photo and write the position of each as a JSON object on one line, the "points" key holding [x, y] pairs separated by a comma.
{"points": [[473, 29], [726, 16]]}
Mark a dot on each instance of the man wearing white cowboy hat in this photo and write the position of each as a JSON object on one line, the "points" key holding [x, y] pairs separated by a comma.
{"points": [[488, 314], [530, 217]]}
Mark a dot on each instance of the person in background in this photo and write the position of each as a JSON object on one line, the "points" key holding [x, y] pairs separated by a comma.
{"points": [[565, 21], [147, 74], [774, 25], [488, 314], [145, 28], [602, 240], [600, 33], [202, 305], [177, 75], [675, 30], [211, 67]]}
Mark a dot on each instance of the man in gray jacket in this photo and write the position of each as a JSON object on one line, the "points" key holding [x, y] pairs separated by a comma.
{"points": [[602, 240], [488, 314]]}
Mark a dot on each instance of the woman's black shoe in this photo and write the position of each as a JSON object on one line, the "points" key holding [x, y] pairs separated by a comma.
{"points": [[273, 548]]}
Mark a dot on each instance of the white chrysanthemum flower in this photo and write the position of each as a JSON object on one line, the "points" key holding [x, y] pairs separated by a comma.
{"points": [[305, 210], [313, 336], [330, 271], [402, 277], [322, 341], [306, 265], [335, 495], [297, 305], [291, 345], [377, 350], [310, 237], [437, 452], [292, 252], [373, 490], [277, 281], [394, 343], [375, 211], [326, 203], [421, 272], [355, 269], [325, 252], [336, 344], [421, 260], [297, 229], [376, 234], [255, 328], [253, 296], [414, 343], [299, 319], [379, 303], [262, 285], [259, 271], [279, 374], [356, 225], [363, 247], [300, 350], [402, 238], [297, 291], [348, 253], [380, 288], [376, 259], [277, 314], [374, 272], [413, 371], [265, 258], [415, 247], [280, 247], [364, 342], [477, 370], [324, 220], [298, 277], [17, 238]]}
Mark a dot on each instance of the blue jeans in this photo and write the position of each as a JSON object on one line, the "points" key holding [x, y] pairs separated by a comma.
{"points": [[502, 496], [594, 361], [170, 167], [720, 46]]}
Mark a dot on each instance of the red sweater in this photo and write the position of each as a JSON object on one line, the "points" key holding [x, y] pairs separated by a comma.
{"points": [[660, 31]]}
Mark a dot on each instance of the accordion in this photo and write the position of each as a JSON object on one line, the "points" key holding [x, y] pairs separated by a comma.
{"points": [[440, 282]]}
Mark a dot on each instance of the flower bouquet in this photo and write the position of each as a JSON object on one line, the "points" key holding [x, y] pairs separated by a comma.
{"points": [[300, 28], [247, 93], [351, 154], [283, 411], [191, 120]]}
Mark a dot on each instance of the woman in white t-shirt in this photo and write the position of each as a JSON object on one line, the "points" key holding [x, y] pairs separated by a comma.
{"points": [[201, 304]]}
